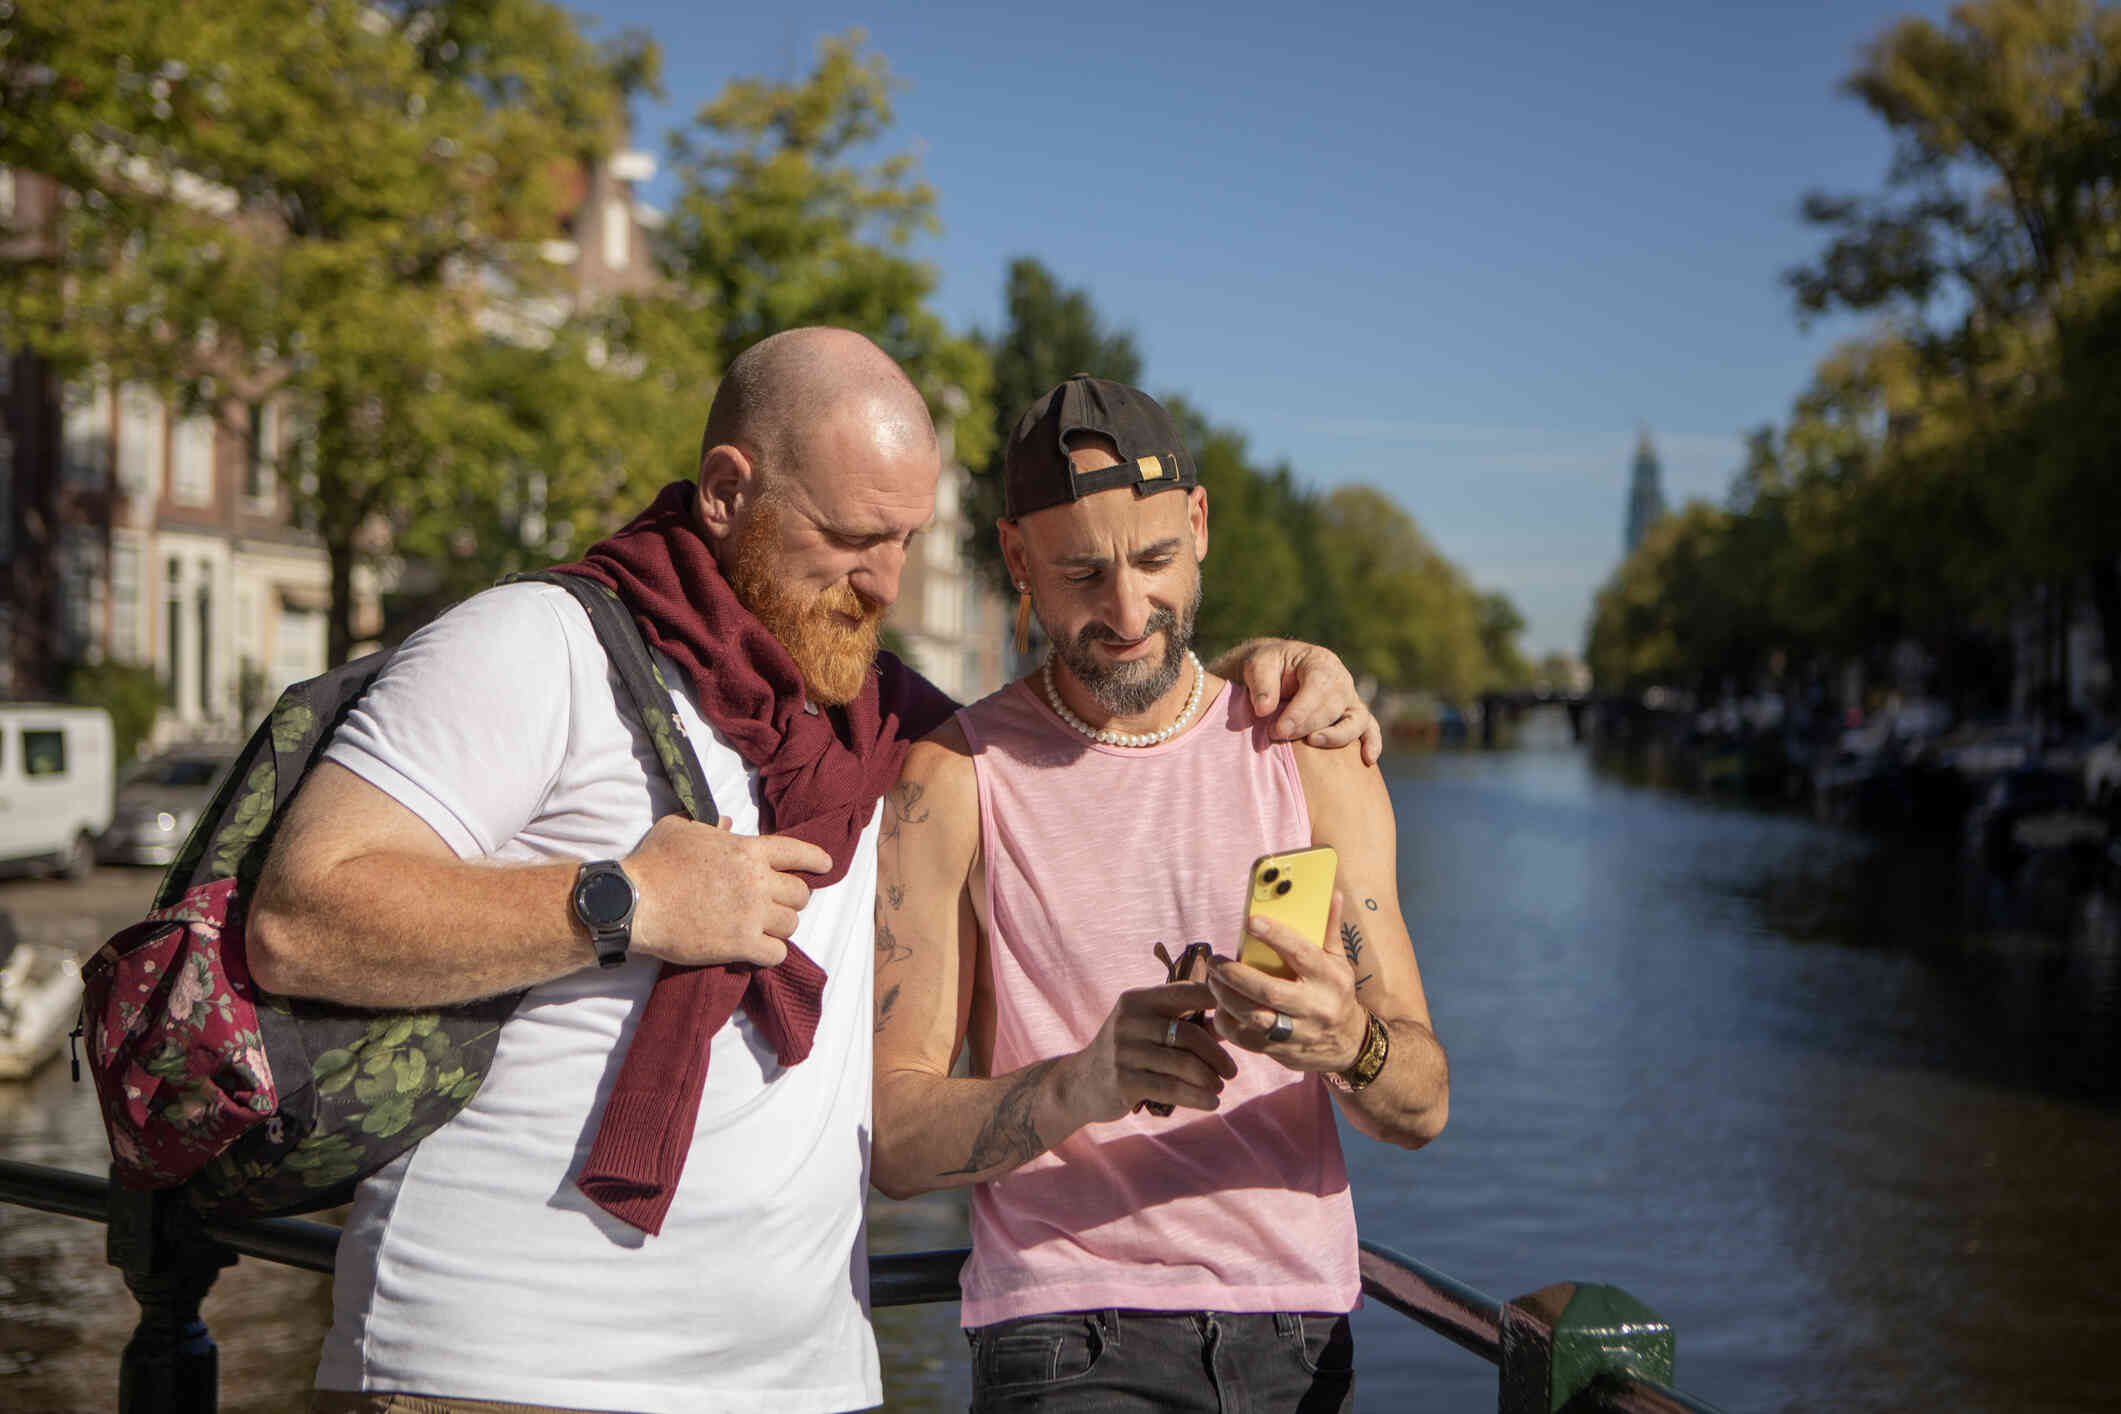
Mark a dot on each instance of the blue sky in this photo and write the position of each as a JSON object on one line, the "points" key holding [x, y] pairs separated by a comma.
{"points": [[1457, 251]]}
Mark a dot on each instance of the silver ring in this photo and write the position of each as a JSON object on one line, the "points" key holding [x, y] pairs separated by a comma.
{"points": [[1171, 1032], [1281, 1030]]}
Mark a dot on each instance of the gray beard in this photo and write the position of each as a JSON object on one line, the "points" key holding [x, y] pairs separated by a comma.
{"points": [[1125, 689]]}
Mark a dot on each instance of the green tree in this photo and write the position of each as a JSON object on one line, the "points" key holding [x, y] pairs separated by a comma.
{"points": [[1253, 579], [309, 199], [1500, 625], [780, 222], [1844, 533], [1052, 332], [580, 434], [1651, 621], [1997, 244], [1410, 617]]}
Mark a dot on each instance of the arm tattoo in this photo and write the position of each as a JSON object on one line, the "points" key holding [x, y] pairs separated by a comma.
{"points": [[888, 947], [1009, 1136], [1351, 944], [883, 1008], [902, 806]]}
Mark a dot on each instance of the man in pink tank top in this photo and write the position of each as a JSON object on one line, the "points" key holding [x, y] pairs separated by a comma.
{"points": [[1160, 1211]]}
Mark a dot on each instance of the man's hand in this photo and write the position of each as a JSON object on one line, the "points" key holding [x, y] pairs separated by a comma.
{"points": [[1139, 1056], [1307, 690], [1326, 1022], [708, 896]]}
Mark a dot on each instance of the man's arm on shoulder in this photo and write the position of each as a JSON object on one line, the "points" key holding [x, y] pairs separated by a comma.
{"points": [[1307, 691], [1352, 811], [936, 1130]]}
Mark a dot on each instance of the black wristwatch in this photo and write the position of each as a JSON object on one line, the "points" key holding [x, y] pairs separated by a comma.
{"points": [[604, 899]]}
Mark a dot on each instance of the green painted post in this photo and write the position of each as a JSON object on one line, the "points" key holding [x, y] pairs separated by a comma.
{"points": [[1561, 1340]]}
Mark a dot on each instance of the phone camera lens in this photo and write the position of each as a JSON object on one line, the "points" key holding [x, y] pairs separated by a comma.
{"points": [[1268, 876], [1283, 887]]}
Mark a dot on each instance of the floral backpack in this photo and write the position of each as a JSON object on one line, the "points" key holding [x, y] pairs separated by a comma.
{"points": [[262, 1105]]}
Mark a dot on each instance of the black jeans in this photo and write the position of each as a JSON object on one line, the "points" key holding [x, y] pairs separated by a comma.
{"points": [[1203, 1362]]}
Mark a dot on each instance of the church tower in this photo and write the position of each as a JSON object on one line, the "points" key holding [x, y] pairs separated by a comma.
{"points": [[1645, 491]]}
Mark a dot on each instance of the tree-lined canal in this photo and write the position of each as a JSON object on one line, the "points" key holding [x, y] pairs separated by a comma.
{"points": [[1800, 1091]]}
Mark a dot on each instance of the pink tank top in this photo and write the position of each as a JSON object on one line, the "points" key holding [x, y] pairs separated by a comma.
{"points": [[1093, 855]]}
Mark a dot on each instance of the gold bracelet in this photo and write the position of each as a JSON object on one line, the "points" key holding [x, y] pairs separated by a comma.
{"points": [[1369, 1060]]}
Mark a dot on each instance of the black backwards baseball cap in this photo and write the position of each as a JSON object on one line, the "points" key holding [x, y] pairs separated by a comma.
{"points": [[1036, 472]]}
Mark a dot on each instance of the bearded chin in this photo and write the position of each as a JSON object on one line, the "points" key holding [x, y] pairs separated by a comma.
{"points": [[833, 656], [1125, 689], [836, 660]]}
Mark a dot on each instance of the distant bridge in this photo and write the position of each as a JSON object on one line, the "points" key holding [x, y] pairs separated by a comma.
{"points": [[1499, 707]]}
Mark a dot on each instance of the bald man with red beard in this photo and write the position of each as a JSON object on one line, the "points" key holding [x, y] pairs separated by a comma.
{"points": [[654, 1201]]}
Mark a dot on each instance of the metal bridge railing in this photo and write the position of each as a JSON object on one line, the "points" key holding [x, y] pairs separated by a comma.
{"points": [[1573, 1348]]}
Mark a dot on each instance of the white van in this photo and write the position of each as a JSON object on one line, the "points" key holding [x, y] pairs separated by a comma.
{"points": [[58, 774]]}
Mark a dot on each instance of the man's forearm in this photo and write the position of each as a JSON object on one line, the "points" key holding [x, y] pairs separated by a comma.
{"points": [[951, 1131], [1411, 1098], [400, 930]]}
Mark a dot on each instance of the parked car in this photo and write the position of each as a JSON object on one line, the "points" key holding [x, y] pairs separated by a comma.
{"points": [[56, 771], [159, 801]]}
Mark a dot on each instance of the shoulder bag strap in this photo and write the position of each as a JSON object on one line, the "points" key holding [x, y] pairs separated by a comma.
{"points": [[615, 629]]}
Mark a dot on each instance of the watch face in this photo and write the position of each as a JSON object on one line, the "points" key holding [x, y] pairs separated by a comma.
{"points": [[603, 899]]}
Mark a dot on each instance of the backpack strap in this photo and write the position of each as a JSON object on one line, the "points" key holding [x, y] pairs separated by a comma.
{"points": [[616, 631]]}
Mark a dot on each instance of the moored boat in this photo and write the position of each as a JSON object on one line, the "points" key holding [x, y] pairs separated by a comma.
{"points": [[40, 995]]}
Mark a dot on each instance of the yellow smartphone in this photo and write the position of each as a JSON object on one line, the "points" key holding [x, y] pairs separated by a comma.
{"points": [[1295, 887]]}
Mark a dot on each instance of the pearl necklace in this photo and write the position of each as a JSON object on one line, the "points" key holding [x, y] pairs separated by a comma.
{"points": [[1113, 738]]}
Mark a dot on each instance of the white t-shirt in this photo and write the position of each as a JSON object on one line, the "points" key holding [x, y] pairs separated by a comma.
{"points": [[472, 1266]]}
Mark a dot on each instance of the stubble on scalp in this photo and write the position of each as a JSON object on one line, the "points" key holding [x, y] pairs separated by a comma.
{"points": [[772, 402], [776, 393]]}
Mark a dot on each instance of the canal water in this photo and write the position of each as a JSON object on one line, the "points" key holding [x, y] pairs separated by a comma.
{"points": [[1833, 1107]]}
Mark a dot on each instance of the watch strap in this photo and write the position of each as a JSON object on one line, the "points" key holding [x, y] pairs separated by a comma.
{"points": [[1370, 1057]]}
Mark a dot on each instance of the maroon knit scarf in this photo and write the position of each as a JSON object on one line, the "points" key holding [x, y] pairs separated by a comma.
{"points": [[820, 773]]}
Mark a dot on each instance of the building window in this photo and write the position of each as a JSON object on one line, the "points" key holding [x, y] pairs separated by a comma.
{"points": [[191, 476], [125, 601], [206, 640], [172, 629], [298, 643], [81, 590], [43, 753], [142, 441], [618, 235], [260, 448], [84, 452]]}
